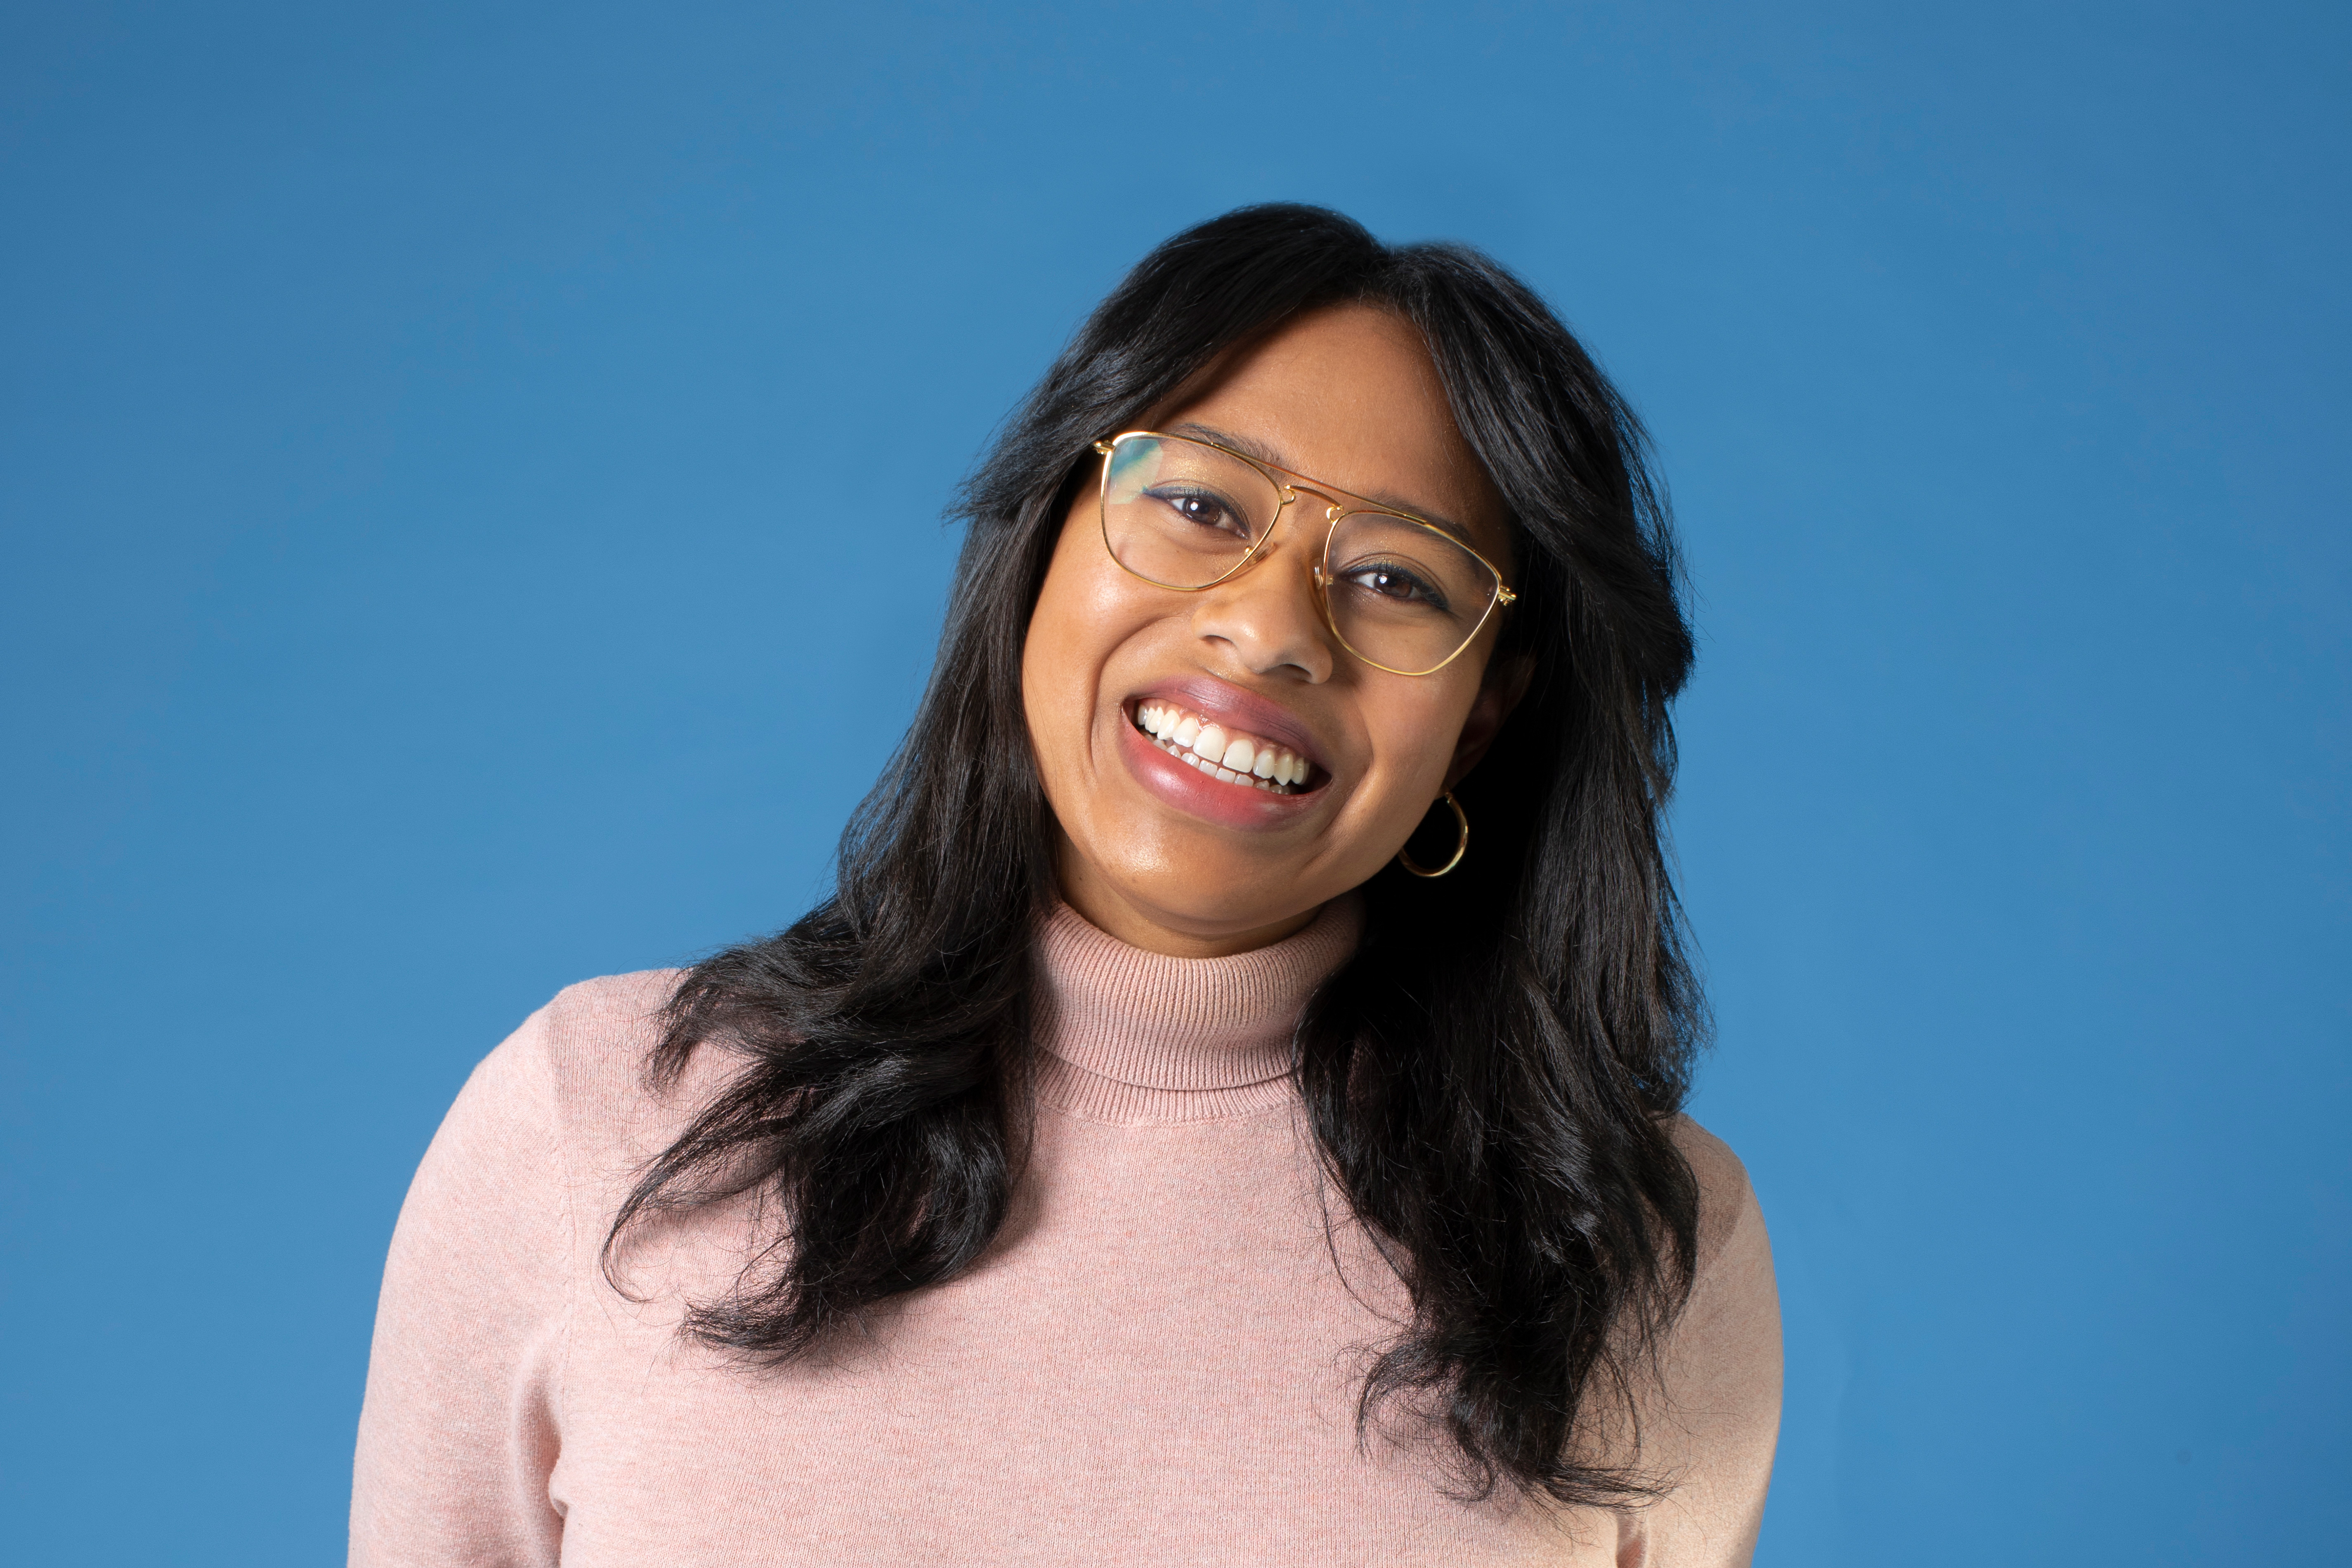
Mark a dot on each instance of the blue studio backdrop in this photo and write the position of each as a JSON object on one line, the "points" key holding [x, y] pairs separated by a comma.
{"points": [[471, 479]]}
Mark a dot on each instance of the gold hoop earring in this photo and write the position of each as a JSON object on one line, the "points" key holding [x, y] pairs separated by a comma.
{"points": [[1461, 845]]}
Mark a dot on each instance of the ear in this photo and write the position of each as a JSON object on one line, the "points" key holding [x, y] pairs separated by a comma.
{"points": [[1506, 683]]}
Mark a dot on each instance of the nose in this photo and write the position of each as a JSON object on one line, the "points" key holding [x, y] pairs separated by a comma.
{"points": [[1266, 614]]}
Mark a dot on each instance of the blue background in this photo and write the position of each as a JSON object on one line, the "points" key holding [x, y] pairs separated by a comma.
{"points": [[471, 479]]}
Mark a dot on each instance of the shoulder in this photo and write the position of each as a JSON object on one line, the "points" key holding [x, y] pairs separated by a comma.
{"points": [[598, 1034], [1730, 1326], [579, 1063], [1726, 1200], [1709, 1429]]}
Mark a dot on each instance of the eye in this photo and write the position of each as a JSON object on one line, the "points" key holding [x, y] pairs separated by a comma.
{"points": [[1202, 508], [1394, 584]]}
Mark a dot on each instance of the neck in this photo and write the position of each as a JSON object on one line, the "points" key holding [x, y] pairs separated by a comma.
{"points": [[1171, 933], [1135, 1037]]}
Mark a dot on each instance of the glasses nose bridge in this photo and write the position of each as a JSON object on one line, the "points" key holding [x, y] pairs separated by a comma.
{"points": [[1275, 571], [1287, 490], [1293, 486], [1289, 487]]}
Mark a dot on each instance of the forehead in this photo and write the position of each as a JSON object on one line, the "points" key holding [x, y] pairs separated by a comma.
{"points": [[1348, 395]]}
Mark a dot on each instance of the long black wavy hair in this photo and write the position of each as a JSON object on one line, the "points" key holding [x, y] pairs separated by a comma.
{"points": [[1491, 1078]]}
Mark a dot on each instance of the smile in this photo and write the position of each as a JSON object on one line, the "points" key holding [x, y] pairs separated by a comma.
{"points": [[1229, 756]]}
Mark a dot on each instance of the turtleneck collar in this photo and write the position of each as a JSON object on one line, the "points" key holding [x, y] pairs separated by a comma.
{"points": [[1134, 1037]]}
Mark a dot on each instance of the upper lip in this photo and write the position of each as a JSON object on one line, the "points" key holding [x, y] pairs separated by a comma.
{"points": [[1236, 709]]}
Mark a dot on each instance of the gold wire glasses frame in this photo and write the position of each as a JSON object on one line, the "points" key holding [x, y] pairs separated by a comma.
{"points": [[1334, 514]]}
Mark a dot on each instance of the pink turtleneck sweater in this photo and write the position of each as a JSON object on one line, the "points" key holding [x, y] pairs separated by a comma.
{"points": [[1158, 1363]]}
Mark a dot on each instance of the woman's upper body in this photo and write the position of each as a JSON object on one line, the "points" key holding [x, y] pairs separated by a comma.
{"points": [[1171, 1139], [1158, 1362]]}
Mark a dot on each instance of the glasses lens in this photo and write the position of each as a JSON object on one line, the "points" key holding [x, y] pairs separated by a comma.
{"points": [[1181, 514], [1404, 595]]}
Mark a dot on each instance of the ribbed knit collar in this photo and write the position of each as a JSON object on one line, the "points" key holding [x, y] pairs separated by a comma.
{"points": [[1135, 1036]]}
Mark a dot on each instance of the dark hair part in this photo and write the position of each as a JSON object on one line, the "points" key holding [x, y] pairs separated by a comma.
{"points": [[1491, 1078]]}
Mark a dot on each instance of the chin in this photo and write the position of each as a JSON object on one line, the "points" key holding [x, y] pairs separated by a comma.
{"points": [[1211, 889]]}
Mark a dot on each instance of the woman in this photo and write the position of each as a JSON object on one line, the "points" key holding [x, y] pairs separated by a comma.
{"points": [[1228, 1110]]}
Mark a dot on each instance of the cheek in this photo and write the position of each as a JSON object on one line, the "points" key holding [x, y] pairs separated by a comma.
{"points": [[1080, 598], [1080, 619], [1415, 732]]}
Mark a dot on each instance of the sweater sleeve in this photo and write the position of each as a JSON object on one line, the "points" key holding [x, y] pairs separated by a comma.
{"points": [[1713, 1435], [458, 1433]]}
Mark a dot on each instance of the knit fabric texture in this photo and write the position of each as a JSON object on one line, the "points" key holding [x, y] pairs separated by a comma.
{"points": [[1157, 1362]]}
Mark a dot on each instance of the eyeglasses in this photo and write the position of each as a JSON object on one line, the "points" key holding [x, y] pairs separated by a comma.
{"points": [[1398, 591]]}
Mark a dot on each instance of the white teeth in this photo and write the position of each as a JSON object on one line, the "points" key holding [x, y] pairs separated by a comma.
{"points": [[1225, 756]]}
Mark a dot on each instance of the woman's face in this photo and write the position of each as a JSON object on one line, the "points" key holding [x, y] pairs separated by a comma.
{"points": [[1166, 856]]}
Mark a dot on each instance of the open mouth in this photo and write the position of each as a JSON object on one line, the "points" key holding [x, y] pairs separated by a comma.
{"points": [[1229, 756]]}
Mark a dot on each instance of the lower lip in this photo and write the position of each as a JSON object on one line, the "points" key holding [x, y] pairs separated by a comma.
{"points": [[1196, 793]]}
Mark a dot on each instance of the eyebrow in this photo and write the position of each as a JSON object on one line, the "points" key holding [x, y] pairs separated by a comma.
{"points": [[1274, 459]]}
